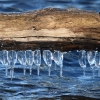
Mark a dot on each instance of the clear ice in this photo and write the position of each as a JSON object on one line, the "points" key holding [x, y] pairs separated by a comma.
{"points": [[30, 57], [37, 60]]}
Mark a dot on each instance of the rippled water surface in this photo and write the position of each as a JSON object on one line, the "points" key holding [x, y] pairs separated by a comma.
{"points": [[35, 87], [27, 5]]}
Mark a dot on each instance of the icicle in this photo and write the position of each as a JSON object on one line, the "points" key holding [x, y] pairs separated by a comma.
{"points": [[77, 50], [12, 59], [47, 56], [55, 66], [58, 59], [93, 72], [4, 60], [61, 71], [38, 70], [22, 60], [24, 70], [91, 57], [49, 71], [11, 72], [82, 60], [98, 72], [29, 59], [30, 69], [6, 70], [37, 60], [97, 61]]}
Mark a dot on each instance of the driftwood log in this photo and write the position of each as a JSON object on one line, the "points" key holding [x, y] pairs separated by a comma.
{"points": [[50, 29]]}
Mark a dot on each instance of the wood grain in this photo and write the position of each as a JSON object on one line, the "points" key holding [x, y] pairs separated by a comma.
{"points": [[61, 29]]}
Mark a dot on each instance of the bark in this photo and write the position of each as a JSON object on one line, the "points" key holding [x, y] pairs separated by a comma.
{"points": [[51, 28]]}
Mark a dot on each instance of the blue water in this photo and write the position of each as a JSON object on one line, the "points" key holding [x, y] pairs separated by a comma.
{"points": [[27, 5], [34, 87]]}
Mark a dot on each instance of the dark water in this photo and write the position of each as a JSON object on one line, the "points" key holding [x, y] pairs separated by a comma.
{"points": [[34, 87]]}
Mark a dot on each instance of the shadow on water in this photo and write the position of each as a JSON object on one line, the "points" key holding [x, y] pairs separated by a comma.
{"points": [[71, 97]]}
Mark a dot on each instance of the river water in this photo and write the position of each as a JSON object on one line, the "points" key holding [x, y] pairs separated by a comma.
{"points": [[27, 5], [72, 85]]}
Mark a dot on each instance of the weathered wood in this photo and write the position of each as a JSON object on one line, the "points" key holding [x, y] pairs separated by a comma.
{"points": [[50, 29]]}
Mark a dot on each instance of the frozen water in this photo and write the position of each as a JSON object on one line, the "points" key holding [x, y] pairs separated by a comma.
{"points": [[12, 59], [58, 59], [91, 59], [97, 62], [22, 59], [72, 82], [33, 88], [47, 56], [82, 60], [5, 61], [37, 60], [29, 59]]}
